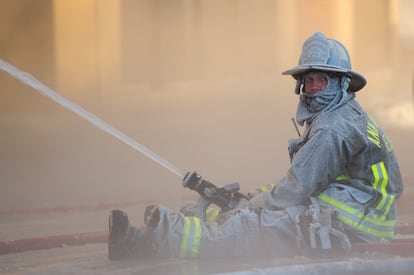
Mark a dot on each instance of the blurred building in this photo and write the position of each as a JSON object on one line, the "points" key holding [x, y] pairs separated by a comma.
{"points": [[197, 81], [104, 51]]}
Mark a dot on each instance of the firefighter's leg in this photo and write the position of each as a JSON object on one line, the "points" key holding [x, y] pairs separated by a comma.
{"points": [[244, 233], [124, 240], [190, 209]]}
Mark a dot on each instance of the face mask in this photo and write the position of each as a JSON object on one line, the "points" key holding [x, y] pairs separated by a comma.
{"points": [[334, 96], [319, 101]]}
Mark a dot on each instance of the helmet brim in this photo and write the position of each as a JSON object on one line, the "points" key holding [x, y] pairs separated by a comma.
{"points": [[357, 80]]}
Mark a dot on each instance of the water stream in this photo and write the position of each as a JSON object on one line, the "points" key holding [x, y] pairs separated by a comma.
{"points": [[31, 81]]}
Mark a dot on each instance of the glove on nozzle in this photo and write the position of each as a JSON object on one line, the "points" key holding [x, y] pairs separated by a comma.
{"points": [[258, 202]]}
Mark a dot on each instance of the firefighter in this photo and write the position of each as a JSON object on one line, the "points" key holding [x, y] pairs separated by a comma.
{"points": [[341, 187]]}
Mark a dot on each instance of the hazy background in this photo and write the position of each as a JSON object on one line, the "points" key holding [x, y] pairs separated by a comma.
{"points": [[198, 82]]}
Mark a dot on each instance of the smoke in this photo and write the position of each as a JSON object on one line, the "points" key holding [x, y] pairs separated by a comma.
{"points": [[197, 82]]}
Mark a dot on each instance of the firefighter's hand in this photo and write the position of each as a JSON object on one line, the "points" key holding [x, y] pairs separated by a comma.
{"points": [[258, 201]]}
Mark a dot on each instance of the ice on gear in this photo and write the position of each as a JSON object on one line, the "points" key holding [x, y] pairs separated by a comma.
{"points": [[329, 55], [341, 187]]}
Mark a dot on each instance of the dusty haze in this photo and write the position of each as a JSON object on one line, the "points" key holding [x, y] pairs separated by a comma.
{"points": [[198, 82]]}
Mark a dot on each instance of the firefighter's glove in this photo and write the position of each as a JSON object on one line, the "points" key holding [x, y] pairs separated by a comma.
{"points": [[258, 201]]}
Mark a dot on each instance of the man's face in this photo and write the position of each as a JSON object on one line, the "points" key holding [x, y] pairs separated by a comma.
{"points": [[314, 82]]}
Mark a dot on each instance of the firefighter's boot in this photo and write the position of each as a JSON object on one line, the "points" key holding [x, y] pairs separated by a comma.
{"points": [[126, 241]]}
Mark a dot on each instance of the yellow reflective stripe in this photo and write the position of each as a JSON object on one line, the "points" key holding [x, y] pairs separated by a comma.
{"points": [[383, 185], [372, 224], [186, 235], [264, 188], [197, 237], [188, 245], [267, 187], [388, 207], [361, 219], [377, 220], [212, 214], [376, 176], [355, 212], [337, 204], [366, 229], [380, 175], [342, 177]]}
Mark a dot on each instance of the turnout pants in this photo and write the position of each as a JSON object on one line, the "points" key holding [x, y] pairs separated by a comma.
{"points": [[243, 232]]}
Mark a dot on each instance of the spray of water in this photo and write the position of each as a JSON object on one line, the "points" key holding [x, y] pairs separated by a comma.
{"points": [[93, 119]]}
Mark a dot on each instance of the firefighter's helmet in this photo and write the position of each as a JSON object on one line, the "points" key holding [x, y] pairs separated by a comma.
{"points": [[324, 54]]}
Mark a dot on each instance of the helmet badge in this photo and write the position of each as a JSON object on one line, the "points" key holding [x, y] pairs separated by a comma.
{"points": [[316, 50]]}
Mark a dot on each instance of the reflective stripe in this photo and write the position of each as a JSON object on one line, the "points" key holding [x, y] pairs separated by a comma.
{"points": [[375, 225], [343, 177], [265, 188], [380, 184], [388, 207], [369, 222], [337, 204], [381, 178], [197, 237], [356, 213], [212, 214], [367, 229], [186, 233], [190, 241]]}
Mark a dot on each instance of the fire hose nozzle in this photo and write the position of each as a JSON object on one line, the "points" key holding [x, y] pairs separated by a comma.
{"points": [[226, 197]]}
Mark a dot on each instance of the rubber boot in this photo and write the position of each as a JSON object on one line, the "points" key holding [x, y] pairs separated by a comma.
{"points": [[126, 241]]}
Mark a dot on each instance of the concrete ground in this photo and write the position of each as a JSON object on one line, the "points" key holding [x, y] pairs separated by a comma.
{"points": [[72, 240]]}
